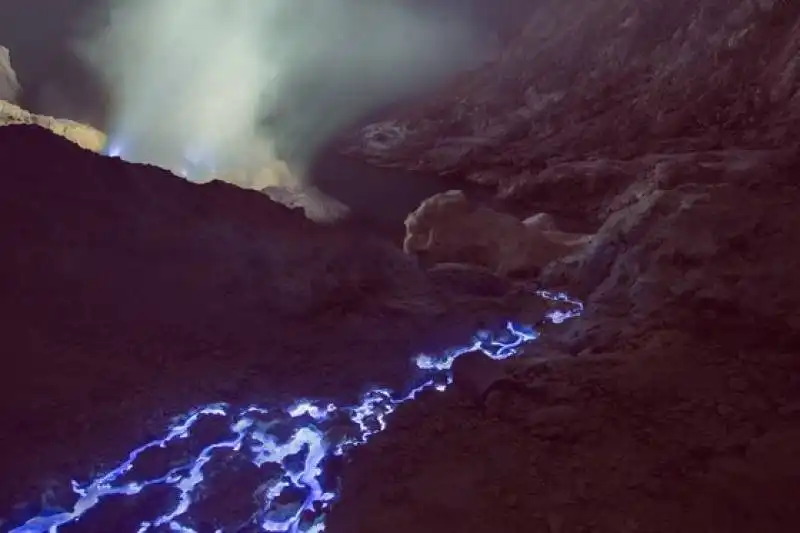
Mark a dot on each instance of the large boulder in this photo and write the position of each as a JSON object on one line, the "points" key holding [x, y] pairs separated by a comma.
{"points": [[448, 228], [9, 84]]}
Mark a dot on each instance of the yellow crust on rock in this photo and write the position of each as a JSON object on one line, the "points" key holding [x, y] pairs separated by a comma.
{"points": [[83, 135]]}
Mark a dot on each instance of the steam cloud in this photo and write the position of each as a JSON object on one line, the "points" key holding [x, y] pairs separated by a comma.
{"points": [[213, 85]]}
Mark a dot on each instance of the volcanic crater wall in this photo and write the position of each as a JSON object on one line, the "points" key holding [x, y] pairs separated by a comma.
{"points": [[612, 78]]}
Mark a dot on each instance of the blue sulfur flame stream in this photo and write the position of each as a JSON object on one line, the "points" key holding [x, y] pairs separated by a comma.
{"points": [[292, 449]]}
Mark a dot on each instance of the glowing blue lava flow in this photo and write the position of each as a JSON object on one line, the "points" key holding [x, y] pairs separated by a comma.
{"points": [[298, 442]]}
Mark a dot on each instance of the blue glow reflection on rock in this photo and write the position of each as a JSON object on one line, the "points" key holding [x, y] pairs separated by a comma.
{"points": [[311, 431]]}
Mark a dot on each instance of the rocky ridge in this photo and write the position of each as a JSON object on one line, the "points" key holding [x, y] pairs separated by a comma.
{"points": [[447, 227], [83, 135], [276, 180]]}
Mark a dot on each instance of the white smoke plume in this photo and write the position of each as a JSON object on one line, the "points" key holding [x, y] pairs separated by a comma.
{"points": [[229, 84]]}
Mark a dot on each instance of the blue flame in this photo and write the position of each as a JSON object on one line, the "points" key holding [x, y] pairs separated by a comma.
{"points": [[113, 148], [195, 163], [290, 447]]}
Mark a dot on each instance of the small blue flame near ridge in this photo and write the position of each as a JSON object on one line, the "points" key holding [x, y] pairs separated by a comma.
{"points": [[196, 161]]}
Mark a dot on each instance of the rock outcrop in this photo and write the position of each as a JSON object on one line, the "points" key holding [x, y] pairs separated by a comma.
{"points": [[83, 135], [448, 228], [689, 240], [9, 84]]}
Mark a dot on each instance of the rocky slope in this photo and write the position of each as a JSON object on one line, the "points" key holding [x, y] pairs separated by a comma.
{"points": [[130, 295], [668, 132], [276, 181], [671, 405], [615, 78]]}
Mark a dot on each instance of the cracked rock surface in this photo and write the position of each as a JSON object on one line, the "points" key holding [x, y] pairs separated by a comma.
{"points": [[668, 131], [670, 406]]}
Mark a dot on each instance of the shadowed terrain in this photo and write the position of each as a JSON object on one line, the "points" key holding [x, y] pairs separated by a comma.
{"points": [[660, 135], [129, 292]]}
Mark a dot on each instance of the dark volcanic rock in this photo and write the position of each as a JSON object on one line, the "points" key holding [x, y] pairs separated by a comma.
{"points": [[686, 374], [614, 78], [667, 129], [129, 294]]}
